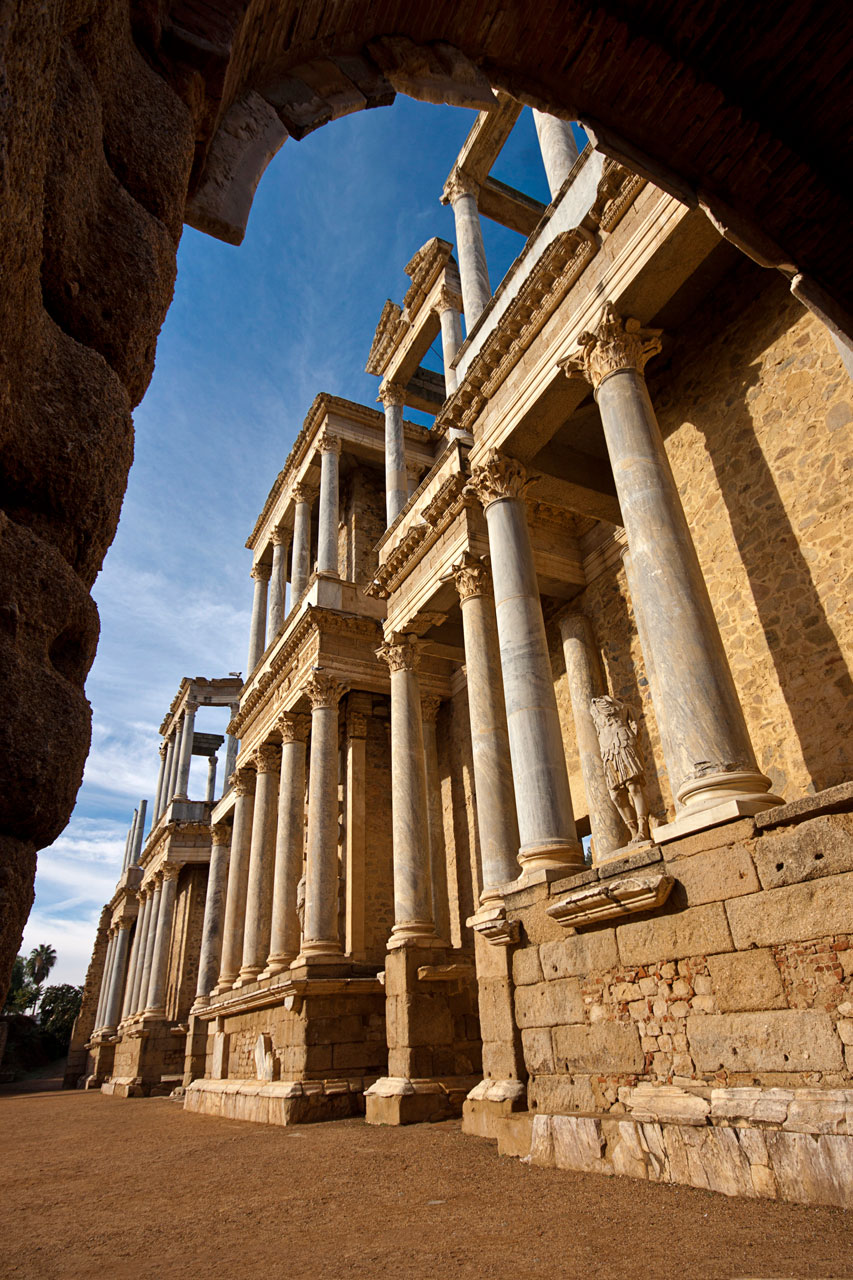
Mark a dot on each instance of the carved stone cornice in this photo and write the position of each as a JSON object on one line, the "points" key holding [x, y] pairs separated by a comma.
{"points": [[499, 476], [260, 572], [328, 442], [473, 577], [392, 394], [401, 652], [615, 345], [389, 334], [322, 690], [280, 537], [302, 492], [429, 709], [459, 184], [243, 782], [293, 726], [220, 833], [267, 758], [356, 725]]}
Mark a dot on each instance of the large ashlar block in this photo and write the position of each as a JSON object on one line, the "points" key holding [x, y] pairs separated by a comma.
{"points": [[746, 980], [698, 931], [606, 1047], [526, 967], [810, 851], [538, 1050], [793, 914], [593, 952], [719, 874], [548, 1004], [556, 1094], [778, 1040]]}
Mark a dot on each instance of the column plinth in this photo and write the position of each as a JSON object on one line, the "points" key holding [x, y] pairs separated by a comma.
{"points": [[321, 940], [243, 783], [289, 844]]}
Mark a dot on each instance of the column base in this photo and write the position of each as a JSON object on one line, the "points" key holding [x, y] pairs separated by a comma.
{"points": [[688, 822], [319, 952], [249, 973], [277, 964], [550, 855], [710, 790], [397, 1100], [414, 933], [223, 985]]}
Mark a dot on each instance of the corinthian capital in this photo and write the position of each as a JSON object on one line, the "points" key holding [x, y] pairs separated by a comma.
{"points": [[261, 572], [499, 477], [328, 442], [459, 184], [322, 690], [170, 870], [392, 394], [400, 652], [280, 537], [616, 344], [267, 759], [472, 576], [293, 726], [243, 781], [220, 833], [302, 492], [447, 299]]}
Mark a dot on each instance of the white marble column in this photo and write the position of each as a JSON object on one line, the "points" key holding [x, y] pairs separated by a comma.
{"points": [[177, 735], [461, 192], [289, 843], [133, 964], [112, 1008], [355, 823], [232, 746], [413, 918], [214, 911], [129, 842], [497, 822], [105, 981], [546, 824], [156, 892], [328, 513], [280, 539], [396, 477], [162, 940], [449, 309], [187, 733], [583, 674], [243, 784], [259, 885], [143, 922], [210, 793], [258, 632], [558, 147], [321, 939], [699, 712], [161, 784], [300, 570], [139, 834], [435, 820]]}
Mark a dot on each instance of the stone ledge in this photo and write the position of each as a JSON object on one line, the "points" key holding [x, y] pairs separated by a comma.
{"points": [[610, 900], [832, 800], [279, 1102]]}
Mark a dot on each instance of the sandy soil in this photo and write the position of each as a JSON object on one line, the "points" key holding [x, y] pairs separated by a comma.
{"points": [[105, 1187]]}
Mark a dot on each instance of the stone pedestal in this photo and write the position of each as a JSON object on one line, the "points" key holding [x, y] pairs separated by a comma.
{"points": [[195, 1059], [461, 193], [256, 932], [502, 1089], [243, 783]]}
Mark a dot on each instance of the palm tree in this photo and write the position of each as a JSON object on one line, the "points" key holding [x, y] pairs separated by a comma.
{"points": [[40, 962]]}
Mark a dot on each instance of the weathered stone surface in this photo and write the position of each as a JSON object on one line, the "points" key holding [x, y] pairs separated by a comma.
{"points": [[696, 931], [548, 1004], [526, 967], [784, 1040], [792, 914], [814, 1170], [820, 847], [658, 1103], [565, 1094], [718, 874], [603, 1047], [593, 952], [538, 1050], [746, 980]]}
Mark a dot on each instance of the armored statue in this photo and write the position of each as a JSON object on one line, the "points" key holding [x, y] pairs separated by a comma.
{"points": [[623, 764], [300, 904]]}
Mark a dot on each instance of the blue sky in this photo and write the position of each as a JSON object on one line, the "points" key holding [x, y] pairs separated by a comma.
{"points": [[254, 333]]}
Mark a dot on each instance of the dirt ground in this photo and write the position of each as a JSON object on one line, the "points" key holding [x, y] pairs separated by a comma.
{"points": [[106, 1187]]}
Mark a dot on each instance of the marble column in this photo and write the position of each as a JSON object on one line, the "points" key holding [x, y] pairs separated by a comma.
{"points": [[448, 309], [355, 823], [320, 939], [396, 477], [328, 513], [163, 937], [243, 784], [413, 918], [258, 632], [497, 822], [128, 844], [112, 1008], [105, 981], [435, 820], [176, 757], [214, 910], [635, 592], [461, 192], [210, 793], [712, 761], [546, 824], [156, 893], [232, 746], [143, 921], [280, 539], [139, 834], [161, 783], [558, 147], [132, 966], [289, 843], [259, 885], [583, 673], [187, 733], [300, 570]]}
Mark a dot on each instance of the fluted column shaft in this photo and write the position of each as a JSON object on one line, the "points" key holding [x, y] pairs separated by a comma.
{"points": [[256, 934], [546, 824], [558, 147], [258, 631], [214, 910], [161, 782], [143, 923], [327, 535], [413, 918], [300, 570], [112, 1009], [461, 193], [289, 843], [321, 939], [160, 959], [150, 939], [497, 822], [583, 674], [238, 877], [278, 582], [699, 712], [396, 476]]}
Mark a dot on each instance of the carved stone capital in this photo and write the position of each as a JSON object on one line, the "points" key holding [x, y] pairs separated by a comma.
{"points": [[293, 726], [322, 690], [499, 477], [459, 184], [191, 707], [447, 299], [356, 725], [220, 833], [473, 577], [170, 870], [392, 394], [429, 709], [615, 345], [125, 922], [280, 537], [302, 492], [163, 748], [267, 759], [243, 782], [261, 572], [400, 652], [328, 442]]}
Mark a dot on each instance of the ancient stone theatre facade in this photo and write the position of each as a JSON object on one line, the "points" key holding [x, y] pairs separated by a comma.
{"points": [[541, 806]]}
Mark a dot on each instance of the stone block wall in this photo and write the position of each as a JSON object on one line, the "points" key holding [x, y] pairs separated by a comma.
{"points": [[362, 525], [459, 812]]}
